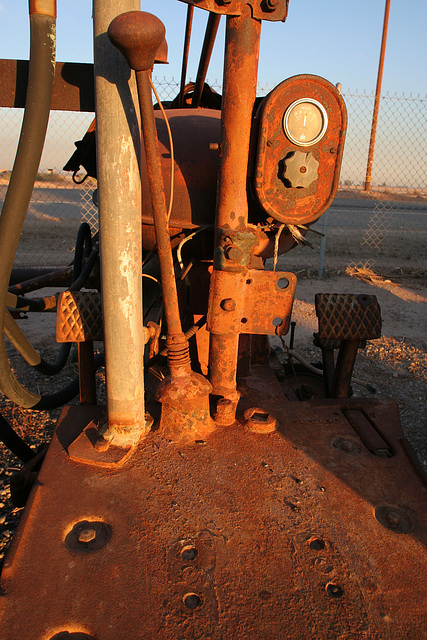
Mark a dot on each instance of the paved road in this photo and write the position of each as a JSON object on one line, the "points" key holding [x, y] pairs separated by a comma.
{"points": [[56, 204]]}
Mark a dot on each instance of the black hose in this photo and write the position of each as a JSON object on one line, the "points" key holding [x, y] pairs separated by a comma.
{"points": [[83, 247], [14, 443], [66, 394]]}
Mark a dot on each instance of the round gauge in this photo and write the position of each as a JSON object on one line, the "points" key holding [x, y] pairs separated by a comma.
{"points": [[305, 122]]}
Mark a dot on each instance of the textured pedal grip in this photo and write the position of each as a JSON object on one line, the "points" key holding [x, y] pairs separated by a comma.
{"points": [[79, 317], [347, 316]]}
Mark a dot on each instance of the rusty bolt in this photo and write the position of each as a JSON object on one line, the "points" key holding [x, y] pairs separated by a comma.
{"points": [[347, 445], [259, 421], [225, 412], [228, 304], [303, 169], [87, 535], [393, 519], [214, 146], [232, 252]]}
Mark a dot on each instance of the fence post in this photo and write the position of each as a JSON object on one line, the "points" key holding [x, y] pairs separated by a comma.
{"points": [[323, 244]]}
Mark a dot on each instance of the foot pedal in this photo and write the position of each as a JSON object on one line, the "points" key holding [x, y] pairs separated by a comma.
{"points": [[79, 317], [346, 321], [348, 316]]}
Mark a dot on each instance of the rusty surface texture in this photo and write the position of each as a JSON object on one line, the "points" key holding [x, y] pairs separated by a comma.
{"points": [[279, 159], [347, 316], [241, 534], [79, 316], [272, 10]]}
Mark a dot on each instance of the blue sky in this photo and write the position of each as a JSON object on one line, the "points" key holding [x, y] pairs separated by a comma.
{"points": [[338, 39]]}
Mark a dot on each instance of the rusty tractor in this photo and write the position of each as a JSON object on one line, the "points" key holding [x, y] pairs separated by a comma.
{"points": [[203, 499]]}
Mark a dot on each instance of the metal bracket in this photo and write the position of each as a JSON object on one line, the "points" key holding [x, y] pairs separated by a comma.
{"points": [[254, 302], [272, 10]]}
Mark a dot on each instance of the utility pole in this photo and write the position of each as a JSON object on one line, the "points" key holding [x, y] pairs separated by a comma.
{"points": [[377, 99]]}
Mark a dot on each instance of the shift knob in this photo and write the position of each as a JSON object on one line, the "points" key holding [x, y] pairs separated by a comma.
{"points": [[138, 36]]}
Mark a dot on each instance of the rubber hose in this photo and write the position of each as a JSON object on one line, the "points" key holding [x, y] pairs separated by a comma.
{"points": [[30, 147]]}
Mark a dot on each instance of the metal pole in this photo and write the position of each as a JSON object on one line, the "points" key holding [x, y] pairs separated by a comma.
{"points": [[240, 79], [377, 99], [323, 244], [188, 25], [208, 44], [119, 189]]}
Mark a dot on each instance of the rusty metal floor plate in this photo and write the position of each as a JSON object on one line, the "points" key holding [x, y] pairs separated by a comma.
{"points": [[297, 534]]}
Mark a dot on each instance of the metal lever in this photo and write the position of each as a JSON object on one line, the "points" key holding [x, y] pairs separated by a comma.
{"points": [[184, 395]]}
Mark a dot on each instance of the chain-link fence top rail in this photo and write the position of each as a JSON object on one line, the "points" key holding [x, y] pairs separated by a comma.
{"points": [[388, 223]]}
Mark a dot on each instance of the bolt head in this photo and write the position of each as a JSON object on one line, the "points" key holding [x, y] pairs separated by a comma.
{"points": [[228, 304], [87, 535], [393, 519], [233, 253]]}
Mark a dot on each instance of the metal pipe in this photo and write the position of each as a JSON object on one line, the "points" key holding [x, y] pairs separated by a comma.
{"points": [[184, 394], [377, 99], [323, 244], [205, 57], [188, 26], [240, 81], [119, 192]]}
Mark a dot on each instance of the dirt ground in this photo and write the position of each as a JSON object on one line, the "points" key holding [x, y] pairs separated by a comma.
{"points": [[394, 365]]}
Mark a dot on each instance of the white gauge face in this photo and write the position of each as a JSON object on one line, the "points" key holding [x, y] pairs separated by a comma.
{"points": [[305, 122]]}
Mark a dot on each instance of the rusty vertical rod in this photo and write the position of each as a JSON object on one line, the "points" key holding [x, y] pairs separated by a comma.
{"points": [[377, 99], [205, 57], [176, 342], [240, 80], [119, 192], [188, 25]]}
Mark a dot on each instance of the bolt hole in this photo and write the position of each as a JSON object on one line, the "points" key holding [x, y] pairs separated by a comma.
{"points": [[249, 281], [317, 544], [244, 320], [189, 553], [260, 417], [283, 283], [192, 600], [277, 322], [334, 590]]}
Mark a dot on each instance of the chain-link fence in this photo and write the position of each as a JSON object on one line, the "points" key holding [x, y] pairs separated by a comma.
{"points": [[386, 227]]}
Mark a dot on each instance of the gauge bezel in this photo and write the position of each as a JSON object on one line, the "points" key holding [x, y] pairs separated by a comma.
{"points": [[324, 126]]}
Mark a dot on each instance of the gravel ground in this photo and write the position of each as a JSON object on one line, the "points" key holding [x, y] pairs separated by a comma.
{"points": [[396, 365]]}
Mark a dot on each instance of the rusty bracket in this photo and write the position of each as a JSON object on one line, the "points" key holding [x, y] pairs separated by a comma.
{"points": [[271, 10], [254, 302], [234, 249]]}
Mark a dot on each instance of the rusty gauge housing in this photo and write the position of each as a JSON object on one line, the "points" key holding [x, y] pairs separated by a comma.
{"points": [[302, 125]]}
